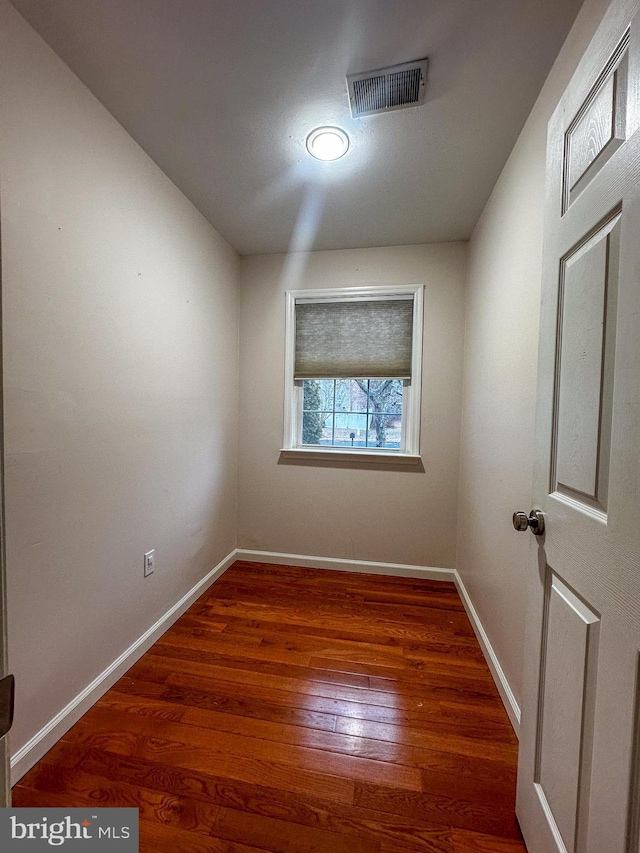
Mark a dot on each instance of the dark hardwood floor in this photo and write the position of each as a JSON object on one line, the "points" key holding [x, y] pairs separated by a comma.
{"points": [[294, 710]]}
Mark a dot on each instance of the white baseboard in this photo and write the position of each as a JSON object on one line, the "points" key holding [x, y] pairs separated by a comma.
{"points": [[42, 741], [336, 564], [504, 688], [400, 570]]}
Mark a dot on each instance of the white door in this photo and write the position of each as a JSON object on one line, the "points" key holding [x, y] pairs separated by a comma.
{"points": [[579, 768]]}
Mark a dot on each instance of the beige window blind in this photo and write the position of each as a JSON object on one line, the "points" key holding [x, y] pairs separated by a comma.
{"points": [[359, 339]]}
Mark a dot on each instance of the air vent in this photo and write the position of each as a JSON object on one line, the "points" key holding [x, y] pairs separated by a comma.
{"points": [[387, 89]]}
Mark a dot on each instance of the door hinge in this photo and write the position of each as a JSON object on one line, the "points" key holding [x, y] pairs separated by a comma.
{"points": [[7, 697]]}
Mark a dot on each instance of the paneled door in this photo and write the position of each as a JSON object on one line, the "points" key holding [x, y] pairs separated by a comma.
{"points": [[579, 768]]}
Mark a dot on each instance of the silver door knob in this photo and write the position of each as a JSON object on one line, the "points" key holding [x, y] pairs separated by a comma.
{"points": [[535, 520]]}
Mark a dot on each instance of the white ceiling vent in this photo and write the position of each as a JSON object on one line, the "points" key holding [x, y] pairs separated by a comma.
{"points": [[387, 89]]}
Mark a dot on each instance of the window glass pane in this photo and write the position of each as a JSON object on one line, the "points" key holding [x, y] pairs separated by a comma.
{"points": [[328, 430], [386, 395], [385, 431], [312, 396], [350, 397], [327, 391], [317, 428]]}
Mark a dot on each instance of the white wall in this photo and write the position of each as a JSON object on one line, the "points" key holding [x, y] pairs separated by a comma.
{"points": [[120, 357], [500, 365], [330, 510]]}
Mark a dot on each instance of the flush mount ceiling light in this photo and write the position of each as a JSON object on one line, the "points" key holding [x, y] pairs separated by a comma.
{"points": [[327, 143]]}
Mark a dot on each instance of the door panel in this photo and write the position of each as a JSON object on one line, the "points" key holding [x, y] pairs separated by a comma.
{"points": [[600, 125], [579, 770], [567, 701], [585, 363]]}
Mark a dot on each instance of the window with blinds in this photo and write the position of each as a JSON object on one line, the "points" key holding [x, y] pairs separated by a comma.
{"points": [[353, 366]]}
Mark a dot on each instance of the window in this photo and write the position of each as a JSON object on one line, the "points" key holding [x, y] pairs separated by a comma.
{"points": [[353, 366]]}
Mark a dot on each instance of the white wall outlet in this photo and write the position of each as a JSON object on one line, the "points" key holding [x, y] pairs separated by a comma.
{"points": [[149, 558]]}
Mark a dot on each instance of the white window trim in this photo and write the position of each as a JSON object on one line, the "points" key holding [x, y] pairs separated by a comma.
{"points": [[412, 392]]}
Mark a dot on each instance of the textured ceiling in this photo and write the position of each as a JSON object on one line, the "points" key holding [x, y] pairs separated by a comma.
{"points": [[222, 93]]}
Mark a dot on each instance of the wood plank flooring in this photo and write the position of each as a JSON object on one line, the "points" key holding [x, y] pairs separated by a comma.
{"points": [[294, 710]]}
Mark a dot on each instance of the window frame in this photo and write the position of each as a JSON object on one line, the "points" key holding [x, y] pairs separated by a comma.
{"points": [[409, 452]]}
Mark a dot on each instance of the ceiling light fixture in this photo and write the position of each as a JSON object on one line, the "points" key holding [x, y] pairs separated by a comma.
{"points": [[327, 143]]}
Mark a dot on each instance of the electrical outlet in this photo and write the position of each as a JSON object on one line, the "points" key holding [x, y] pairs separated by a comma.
{"points": [[148, 562]]}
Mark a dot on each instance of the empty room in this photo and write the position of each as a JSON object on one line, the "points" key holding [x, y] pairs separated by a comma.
{"points": [[311, 310]]}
